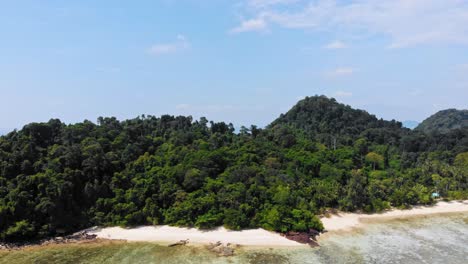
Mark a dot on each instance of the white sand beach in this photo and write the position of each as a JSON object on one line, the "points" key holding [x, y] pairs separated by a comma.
{"points": [[260, 237], [344, 221], [169, 234]]}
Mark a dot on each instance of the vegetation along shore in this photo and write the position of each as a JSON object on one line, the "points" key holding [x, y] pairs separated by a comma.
{"points": [[57, 179]]}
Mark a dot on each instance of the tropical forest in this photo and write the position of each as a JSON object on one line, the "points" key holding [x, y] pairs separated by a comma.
{"points": [[321, 155]]}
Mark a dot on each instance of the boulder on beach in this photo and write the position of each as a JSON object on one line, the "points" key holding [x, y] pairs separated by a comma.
{"points": [[304, 237]]}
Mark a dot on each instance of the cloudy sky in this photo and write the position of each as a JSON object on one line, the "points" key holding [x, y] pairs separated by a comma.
{"points": [[242, 61]]}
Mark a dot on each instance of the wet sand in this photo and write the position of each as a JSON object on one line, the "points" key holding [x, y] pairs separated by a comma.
{"points": [[346, 221]]}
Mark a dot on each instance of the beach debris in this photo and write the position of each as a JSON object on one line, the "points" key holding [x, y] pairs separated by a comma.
{"points": [[180, 243]]}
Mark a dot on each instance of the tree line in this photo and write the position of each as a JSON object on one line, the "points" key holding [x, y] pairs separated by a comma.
{"points": [[57, 178]]}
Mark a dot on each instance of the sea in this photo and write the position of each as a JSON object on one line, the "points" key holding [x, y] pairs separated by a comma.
{"points": [[424, 239]]}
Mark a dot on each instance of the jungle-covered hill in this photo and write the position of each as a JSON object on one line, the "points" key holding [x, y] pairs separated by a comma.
{"points": [[445, 121], [57, 178]]}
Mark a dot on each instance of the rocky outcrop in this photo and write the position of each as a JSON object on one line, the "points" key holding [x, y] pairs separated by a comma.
{"points": [[309, 238], [76, 237], [222, 250]]}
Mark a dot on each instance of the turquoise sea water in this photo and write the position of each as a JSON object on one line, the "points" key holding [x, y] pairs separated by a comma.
{"points": [[430, 239]]}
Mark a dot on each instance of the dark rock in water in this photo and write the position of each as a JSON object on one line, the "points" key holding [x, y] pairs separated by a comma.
{"points": [[221, 250], [226, 251], [211, 246], [304, 237]]}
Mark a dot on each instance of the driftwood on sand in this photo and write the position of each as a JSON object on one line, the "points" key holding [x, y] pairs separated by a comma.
{"points": [[180, 243]]}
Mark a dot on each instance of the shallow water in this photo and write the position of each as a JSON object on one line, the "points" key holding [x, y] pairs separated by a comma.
{"points": [[430, 239]]}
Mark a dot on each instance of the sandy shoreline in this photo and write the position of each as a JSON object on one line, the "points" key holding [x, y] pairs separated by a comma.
{"points": [[346, 221], [170, 234], [260, 237]]}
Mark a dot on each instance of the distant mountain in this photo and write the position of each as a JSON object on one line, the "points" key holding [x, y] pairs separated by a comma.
{"points": [[325, 118], [411, 124], [444, 121]]}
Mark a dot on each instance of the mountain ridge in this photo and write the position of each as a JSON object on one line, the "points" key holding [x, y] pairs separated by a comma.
{"points": [[444, 121]]}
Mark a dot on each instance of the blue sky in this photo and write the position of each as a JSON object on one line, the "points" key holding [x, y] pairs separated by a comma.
{"points": [[242, 61]]}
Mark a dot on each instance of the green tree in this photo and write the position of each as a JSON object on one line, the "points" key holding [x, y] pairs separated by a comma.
{"points": [[462, 160], [375, 159]]}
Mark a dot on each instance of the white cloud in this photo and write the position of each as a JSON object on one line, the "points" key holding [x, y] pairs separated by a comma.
{"points": [[250, 25], [180, 44], [341, 71], [404, 22], [342, 94], [335, 45]]}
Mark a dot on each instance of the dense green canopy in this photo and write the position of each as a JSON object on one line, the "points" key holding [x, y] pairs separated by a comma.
{"points": [[444, 121], [57, 178]]}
